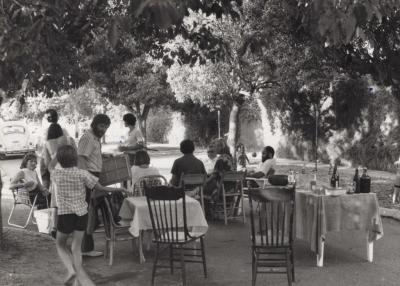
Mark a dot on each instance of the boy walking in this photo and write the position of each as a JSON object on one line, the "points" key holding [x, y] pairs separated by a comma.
{"points": [[71, 183]]}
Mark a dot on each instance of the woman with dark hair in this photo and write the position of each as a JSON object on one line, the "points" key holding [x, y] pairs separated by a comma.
{"points": [[28, 179], [142, 168], [134, 140]]}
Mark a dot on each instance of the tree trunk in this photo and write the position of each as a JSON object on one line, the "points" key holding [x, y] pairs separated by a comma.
{"points": [[233, 133]]}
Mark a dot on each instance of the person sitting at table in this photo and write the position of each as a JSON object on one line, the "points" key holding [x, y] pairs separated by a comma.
{"points": [[141, 168], [187, 164], [209, 163], [213, 184], [134, 140], [28, 179], [267, 165]]}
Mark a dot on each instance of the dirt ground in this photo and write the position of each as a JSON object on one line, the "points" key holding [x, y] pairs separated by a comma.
{"points": [[30, 258]]}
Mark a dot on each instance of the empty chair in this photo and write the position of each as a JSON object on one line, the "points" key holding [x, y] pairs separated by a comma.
{"points": [[271, 215], [113, 231], [231, 196], [190, 182], [167, 207], [150, 180]]}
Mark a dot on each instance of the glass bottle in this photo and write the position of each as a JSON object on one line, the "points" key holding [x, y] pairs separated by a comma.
{"points": [[333, 177], [365, 182], [313, 182], [356, 182]]}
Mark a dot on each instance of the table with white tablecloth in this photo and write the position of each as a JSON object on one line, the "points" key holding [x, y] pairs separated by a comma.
{"points": [[316, 215], [136, 210]]}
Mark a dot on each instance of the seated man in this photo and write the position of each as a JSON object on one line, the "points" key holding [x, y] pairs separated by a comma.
{"points": [[187, 164], [267, 165]]}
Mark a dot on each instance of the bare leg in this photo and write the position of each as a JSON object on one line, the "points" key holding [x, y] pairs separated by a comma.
{"points": [[81, 274], [65, 253]]}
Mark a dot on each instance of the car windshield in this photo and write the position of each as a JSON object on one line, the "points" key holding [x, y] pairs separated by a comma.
{"points": [[10, 129]]}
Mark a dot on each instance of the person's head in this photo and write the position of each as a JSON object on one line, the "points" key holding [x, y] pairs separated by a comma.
{"points": [[54, 131], [142, 158], [129, 119], [100, 124], [267, 153], [51, 115], [67, 156], [187, 146], [211, 152], [29, 161]]}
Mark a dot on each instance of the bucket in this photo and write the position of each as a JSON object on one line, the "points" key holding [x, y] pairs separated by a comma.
{"points": [[44, 219]]}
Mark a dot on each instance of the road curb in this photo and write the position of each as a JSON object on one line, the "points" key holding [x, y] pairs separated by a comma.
{"points": [[391, 213]]}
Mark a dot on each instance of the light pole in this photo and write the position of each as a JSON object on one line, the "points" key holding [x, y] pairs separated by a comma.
{"points": [[219, 120], [316, 139]]}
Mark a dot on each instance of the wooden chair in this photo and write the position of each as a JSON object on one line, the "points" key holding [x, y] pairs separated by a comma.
{"points": [[167, 207], [272, 231], [193, 181], [231, 193], [151, 180], [21, 197], [113, 231]]}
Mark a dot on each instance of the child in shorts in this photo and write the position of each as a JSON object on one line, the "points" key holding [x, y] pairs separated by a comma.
{"points": [[70, 183], [242, 158]]}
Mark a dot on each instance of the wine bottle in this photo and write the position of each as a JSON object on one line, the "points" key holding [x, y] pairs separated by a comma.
{"points": [[333, 178], [365, 182], [356, 182]]}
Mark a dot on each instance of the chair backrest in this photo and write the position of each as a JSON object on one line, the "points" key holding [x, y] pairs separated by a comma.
{"points": [[233, 180], [21, 196], [167, 207], [151, 180], [108, 218], [190, 181], [272, 216]]}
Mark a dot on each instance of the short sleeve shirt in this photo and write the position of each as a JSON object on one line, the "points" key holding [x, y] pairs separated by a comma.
{"points": [[134, 137], [70, 185], [266, 166], [187, 164], [89, 146]]}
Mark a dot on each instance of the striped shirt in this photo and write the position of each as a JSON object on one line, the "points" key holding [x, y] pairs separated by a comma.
{"points": [[70, 188], [89, 146]]}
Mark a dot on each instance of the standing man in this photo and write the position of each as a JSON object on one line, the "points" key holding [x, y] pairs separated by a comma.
{"points": [[134, 140], [90, 159], [267, 165], [187, 164]]}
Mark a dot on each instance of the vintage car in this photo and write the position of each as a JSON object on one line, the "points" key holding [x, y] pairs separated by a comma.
{"points": [[15, 139]]}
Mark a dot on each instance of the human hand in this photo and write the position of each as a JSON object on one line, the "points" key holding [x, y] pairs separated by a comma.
{"points": [[45, 192]]}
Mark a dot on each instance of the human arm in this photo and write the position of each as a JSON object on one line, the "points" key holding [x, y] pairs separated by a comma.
{"points": [[19, 181], [85, 148]]}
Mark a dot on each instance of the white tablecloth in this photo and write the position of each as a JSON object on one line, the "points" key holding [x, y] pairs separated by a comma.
{"points": [[136, 210]]}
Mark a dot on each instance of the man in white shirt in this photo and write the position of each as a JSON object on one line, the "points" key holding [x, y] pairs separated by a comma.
{"points": [[267, 165]]}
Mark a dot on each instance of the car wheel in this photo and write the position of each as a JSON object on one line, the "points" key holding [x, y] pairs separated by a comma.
{"points": [[2, 156]]}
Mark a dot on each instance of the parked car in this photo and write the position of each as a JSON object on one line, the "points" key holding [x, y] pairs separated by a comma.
{"points": [[15, 139]]}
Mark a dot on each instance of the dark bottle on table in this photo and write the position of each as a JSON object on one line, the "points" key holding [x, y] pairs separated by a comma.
{"points": [[365, 182], [356, 182], [333, 177]]}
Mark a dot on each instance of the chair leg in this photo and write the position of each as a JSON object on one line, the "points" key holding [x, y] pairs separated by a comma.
{"points": [[112, 244], [288, 267], [183, 266], [254, 267], [106, 249], [153, 274], [171, 258], [225, 213], [292, 262], [203, 255]]}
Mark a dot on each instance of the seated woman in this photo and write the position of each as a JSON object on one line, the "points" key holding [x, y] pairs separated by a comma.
{"points": [[28, 179], [213, 183], [140, 169]]}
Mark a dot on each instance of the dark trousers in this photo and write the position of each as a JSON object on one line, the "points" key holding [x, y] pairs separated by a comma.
{"points": [[88, 242]]}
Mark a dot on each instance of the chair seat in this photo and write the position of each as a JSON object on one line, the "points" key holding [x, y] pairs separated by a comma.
{"points": [[180, 236]]}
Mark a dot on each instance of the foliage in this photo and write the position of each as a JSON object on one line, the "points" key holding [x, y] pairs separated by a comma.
{"points": [[158, 125]]}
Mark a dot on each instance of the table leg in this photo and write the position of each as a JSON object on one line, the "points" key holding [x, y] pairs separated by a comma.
{"points": [[320, 257], [370, 249], [140, 248]]}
